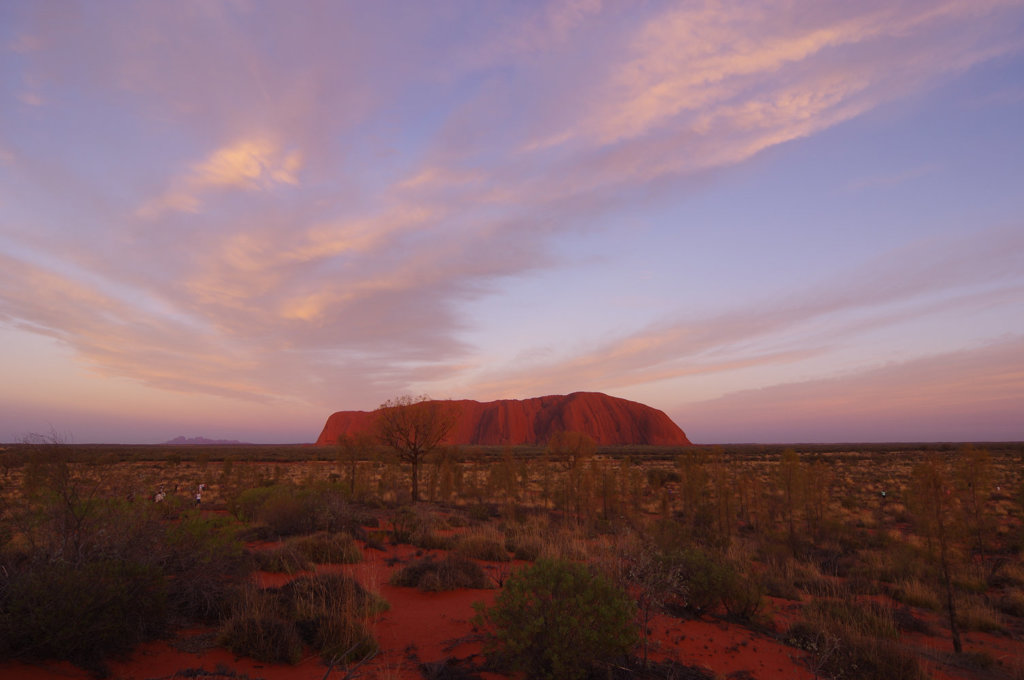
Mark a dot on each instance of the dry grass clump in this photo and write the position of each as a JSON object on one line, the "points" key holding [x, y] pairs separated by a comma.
{"points": [[849, 639], [1011, 602], [259, 628], [285, 559], [524, 542], [917, 593], [327, 611], [450, 573], [325, 548], [975, 613], [789, 579], [482, 543], [566, 542], [302, 552], [1011, 574]]}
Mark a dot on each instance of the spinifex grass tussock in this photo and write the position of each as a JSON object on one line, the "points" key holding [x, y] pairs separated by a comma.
{"points": [[850, 639], [330, 612], [325, 548], [1011, 602], [975, 613], [482, 543], [284, 559], [524, 542], [917, 593], [260, 627], [449, 573]]}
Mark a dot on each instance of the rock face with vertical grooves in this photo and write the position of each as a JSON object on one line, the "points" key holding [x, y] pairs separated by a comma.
{"points": [[609, 421]]}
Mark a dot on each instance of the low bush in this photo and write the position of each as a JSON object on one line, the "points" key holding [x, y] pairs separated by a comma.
{"points": [[558, 620], [82, 613], [327, 611], [704, 580], [281, 560], [429, 540], [869, 618], [1011, 602], [324, 548], [269, 639], [975, 613], [331, 611], [432, 575], [486, 546], [203, 561], [916, 593], [840, 653], [850, 639]]}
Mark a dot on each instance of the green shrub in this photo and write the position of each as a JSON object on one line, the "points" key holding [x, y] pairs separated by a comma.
{"points": [[558, 620], [247, 504], [450, 573], [701, 580], [80, 613], [203, 561], [289, 512]]}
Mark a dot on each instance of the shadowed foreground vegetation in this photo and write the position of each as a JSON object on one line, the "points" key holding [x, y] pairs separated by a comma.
{"points": [[877, 546]]}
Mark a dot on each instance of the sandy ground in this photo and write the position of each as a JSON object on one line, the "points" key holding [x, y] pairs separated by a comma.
{"points": [[432, 627]]}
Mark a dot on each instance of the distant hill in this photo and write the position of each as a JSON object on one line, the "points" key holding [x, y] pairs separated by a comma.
{"points": [[607, 420], [201, 441]]}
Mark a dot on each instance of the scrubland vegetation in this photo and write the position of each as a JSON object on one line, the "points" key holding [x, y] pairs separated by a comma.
{"points": [[869, 562]]}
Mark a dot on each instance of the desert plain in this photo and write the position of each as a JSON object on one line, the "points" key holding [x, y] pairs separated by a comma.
{"points": [[736, 562]]}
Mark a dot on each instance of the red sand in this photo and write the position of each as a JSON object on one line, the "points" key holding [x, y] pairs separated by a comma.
{"points": [[430, 627]]}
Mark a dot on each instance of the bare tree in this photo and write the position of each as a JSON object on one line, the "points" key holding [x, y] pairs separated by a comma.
{"points": [[353, 448], [936, 511], [415, 428], [572, 449]]}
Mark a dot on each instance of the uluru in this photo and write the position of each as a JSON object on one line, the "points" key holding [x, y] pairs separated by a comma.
{"points": [[608, 420]]}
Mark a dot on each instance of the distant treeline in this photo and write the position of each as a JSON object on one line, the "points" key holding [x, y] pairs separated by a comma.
{"points": [[15, 453]]}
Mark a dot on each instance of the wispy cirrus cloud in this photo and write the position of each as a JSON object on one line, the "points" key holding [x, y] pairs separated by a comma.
{"points": [[326, 188], [970, 394], [940, 276], [250, 165]]}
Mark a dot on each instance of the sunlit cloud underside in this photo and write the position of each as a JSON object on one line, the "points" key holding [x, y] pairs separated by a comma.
{"points": [[773, 220]]}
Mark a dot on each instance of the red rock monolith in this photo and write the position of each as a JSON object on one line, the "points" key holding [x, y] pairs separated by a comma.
{"points": [[609, 421]]}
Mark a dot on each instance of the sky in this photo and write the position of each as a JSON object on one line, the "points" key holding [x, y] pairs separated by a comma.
{"points": [[774, 220]]}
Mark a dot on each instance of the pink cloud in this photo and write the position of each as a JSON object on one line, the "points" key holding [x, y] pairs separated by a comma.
{"points": [[371, 208], [936, 276], [975, 394]]}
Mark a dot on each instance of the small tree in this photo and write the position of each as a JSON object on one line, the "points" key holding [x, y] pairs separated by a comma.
{"points": [[790, 481], [415, 428], [572, 449], [353, 448], [935, 510]]}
